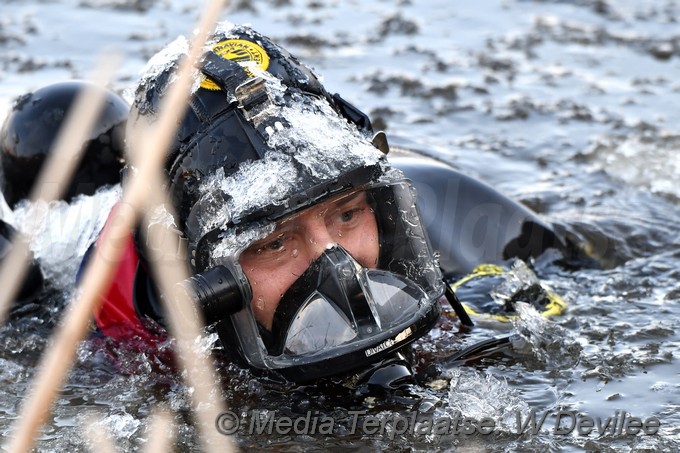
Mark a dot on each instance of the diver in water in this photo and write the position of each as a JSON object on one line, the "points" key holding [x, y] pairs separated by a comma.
{"points": [[296, 213], [31, 128], [26, 138], [303, 227]]}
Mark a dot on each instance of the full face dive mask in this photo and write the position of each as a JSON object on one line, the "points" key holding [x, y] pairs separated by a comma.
{"points": [[330, 288], [270, 175]]}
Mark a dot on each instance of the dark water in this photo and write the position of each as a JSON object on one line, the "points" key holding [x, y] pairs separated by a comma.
{"points": [[568, 106]]}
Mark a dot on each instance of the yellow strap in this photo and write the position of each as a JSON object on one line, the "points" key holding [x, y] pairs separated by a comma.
{"points": [[482, 270], [555, 306]]}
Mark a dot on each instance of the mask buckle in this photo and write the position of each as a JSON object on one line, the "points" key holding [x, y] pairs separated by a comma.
{"points": [[253, 99], [250, 92]]}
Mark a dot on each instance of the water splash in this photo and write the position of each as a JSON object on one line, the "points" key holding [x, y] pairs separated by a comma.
{"points": [[552, 345], [621, 158]]}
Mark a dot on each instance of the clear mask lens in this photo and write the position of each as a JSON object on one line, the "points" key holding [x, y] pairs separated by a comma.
{"points": [[393, 300], [321, 324], [316, 326]]}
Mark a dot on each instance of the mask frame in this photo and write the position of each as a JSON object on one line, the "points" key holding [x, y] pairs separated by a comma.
{"points": [[404, 251]]}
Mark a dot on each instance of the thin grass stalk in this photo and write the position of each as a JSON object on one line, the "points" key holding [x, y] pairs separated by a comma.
{"points": [[186, 326], [58, 360], [57, 171], [101, 442], [169, 269], [161, 432]]}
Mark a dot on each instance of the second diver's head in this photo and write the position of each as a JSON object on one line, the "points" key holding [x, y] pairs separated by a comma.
{"points": [[30, 132], [278, 183]]}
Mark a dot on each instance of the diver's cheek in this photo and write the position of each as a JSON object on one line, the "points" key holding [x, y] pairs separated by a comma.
{"points": [[269, 284], [262, 304], [266, 285]]}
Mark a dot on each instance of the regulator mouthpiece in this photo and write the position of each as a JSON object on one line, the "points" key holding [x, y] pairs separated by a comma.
{"points": [[216, 292]]}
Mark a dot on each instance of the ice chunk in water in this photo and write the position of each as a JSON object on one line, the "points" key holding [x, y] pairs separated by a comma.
{"points": [[478, 395], [550, 343], [653, 164], [60, 233], [119, 425], [519, 277]]}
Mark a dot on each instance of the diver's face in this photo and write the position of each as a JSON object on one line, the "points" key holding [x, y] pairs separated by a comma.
{"points": [[274, 263]]}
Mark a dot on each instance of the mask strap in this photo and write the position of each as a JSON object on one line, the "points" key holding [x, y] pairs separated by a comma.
{"points": [[458, 307], [249, 91], [227, 74], [481, 349]]}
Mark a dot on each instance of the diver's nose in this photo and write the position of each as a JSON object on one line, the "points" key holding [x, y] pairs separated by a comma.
{"points": [[318, 238]]}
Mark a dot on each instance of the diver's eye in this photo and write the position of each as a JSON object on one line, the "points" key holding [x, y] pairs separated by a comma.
{"points": [[275, 245], [347, 215]]}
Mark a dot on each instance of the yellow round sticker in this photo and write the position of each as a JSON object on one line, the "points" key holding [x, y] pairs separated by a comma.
{"points": [[240, 51]]}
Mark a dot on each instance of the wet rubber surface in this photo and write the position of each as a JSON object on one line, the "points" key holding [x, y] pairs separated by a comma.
{"points": [[567, 106]]}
